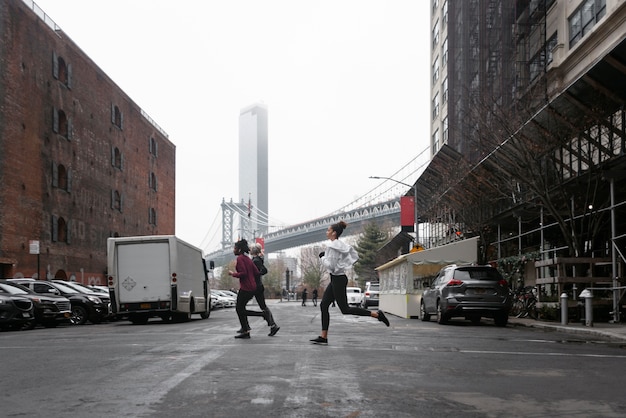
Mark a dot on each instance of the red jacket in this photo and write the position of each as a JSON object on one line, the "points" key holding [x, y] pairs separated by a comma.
{"points": [[246, 271]]}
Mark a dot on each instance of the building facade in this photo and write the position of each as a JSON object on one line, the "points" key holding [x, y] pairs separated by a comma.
{"points": [[529, 137], [253, 169], [79, 161]]}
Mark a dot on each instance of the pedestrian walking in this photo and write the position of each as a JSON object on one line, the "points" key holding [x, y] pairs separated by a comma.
{"points": [[314, 297], [304, 297], [256, 251], [246, 272], [337, 258]]}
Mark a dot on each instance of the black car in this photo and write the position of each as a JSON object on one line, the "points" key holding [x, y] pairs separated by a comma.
{"points": [[104, 297], [15, 311], [49, 310], [84, 306]]}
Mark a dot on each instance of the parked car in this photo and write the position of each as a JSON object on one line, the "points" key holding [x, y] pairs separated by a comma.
{"points": [[85, 307], [469, 291], [355, 295], [223, 300], [370, 296], [15, 311], [104, 296], [49, 310]]}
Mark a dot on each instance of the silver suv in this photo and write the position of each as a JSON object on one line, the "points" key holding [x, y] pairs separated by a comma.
{"points": [[370, 296], [468, 291]]}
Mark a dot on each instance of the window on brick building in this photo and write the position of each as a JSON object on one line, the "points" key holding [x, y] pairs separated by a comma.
{"points": [[117, 159], [117, 200], [61, 70], [60, 229], [117, 118], [152, 216], [61, 177], [61, 124], [154, 147], [152, 181]]}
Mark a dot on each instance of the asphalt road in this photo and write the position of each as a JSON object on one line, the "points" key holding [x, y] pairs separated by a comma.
{"points": [[411, 369]]}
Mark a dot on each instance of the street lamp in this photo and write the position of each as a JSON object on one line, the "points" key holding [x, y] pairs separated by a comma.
{"points": [[414, 201]]}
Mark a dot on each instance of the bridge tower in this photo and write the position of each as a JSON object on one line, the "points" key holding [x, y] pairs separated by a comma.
{"points": [[229, 210]]}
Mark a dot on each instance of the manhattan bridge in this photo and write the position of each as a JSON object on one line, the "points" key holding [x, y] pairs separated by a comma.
{"points": [[381, 204]]}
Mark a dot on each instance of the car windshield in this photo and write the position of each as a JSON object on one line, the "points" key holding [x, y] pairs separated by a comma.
{"points": [[374, 287], [354, 290], [65, 289], [7, 288], [477, 274], [79, 287]]}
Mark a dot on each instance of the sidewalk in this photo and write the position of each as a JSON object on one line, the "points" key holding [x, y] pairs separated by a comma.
{"points": [[603, 329]]}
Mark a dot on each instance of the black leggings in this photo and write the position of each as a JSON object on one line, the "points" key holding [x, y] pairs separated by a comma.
{"points": [[336, 291], [259, 295], [243, 297]]}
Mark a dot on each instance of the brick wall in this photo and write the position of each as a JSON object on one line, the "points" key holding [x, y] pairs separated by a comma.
{"points": [[63, 182]]}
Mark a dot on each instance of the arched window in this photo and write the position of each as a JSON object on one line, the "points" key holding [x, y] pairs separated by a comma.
{"points": [[60, 229], [61, 70], [153, 181], [154, 148], [117, 118], [116, 158], [152, 217], [62, 177], [116, 200], [61, 124]]}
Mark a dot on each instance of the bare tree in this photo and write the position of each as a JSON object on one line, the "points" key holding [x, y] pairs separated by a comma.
{"points": [[311, 266]]}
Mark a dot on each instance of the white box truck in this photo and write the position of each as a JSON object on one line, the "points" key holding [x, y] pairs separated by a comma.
{"points": [[157, 276]]}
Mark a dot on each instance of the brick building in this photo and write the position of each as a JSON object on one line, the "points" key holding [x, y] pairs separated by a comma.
{"points": [[79, 160]]}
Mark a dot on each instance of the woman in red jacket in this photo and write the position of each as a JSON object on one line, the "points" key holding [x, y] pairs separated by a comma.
{"points": [[246, 272]]}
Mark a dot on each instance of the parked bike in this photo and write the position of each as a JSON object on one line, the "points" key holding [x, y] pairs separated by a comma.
{"points": [[524, 302]]}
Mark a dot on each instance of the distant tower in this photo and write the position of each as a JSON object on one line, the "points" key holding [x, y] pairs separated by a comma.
{"points": [[253, 168]]}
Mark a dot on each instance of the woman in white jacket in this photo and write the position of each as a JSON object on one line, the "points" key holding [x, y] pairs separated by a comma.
{"points": [[338, 258]]}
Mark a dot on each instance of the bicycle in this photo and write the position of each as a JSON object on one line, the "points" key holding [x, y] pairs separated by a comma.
{"points": [[524, 302]]}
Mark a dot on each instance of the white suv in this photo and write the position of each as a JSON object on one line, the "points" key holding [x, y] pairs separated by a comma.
{"points": [[370, 297]]}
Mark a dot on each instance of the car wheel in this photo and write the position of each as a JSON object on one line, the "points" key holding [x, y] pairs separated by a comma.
{"points": [[423, 315], [205, 315], [441, 317], [79, 315], [501, 319], [30, 325]]}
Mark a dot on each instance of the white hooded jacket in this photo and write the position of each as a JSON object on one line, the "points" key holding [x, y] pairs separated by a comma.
{"points": [[339, 257]]}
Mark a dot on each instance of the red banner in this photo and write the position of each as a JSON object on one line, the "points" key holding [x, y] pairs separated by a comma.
{"points": [[407, 213]]}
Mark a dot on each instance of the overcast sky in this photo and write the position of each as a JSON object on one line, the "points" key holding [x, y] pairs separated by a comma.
{"points": [[346, 83]]}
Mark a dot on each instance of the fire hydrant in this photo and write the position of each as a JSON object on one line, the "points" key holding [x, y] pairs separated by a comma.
{"points": [[588, 296]]}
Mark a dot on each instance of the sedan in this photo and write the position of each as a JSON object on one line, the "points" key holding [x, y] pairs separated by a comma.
{"points": [[469, 291]]}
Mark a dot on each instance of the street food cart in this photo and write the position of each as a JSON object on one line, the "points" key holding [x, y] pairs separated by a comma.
{"points": [[403, 279]]}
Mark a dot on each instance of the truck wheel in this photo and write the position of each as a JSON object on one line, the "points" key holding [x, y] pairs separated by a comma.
{"points": [[79, 315], [181, 316], [205, 315], [139, 319]]}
